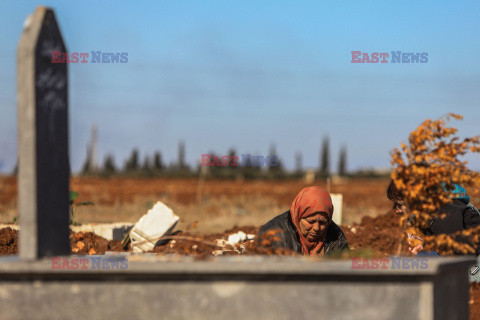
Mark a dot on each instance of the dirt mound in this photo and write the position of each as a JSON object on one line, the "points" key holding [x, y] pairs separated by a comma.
{"points": [[182, 243], [81, 243], [8, 241], [474, 300], [90, 243], [381, 234], [205, 246]]}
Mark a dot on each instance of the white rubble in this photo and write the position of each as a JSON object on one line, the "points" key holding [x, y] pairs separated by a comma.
{"points": [[217, 252], [240, 236], [234, 243], [157, 222], [221, 242]]}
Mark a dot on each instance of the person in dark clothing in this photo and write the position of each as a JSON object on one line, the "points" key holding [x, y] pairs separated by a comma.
{"points": [[460, 214], [308, 227]]}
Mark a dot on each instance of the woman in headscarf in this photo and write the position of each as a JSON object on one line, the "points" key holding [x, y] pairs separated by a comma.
{"points": [[308, 227]]}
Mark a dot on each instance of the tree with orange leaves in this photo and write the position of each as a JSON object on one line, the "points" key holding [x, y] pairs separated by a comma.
{"points": [[426, 170]]}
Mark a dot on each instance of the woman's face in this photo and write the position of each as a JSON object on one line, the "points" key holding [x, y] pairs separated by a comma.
{"points": [[312, 227]]}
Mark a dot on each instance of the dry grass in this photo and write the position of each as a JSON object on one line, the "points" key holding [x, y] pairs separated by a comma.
{"points": [[222, 204], [213, 215]]}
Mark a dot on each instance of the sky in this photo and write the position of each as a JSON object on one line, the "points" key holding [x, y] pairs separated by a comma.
{"points": [[249, 74]]}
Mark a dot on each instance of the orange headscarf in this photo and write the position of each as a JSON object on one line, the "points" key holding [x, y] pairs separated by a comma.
{"points": [[310, 200]]}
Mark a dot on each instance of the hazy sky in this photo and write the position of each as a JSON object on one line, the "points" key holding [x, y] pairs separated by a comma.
{"points": [[246, 74]]}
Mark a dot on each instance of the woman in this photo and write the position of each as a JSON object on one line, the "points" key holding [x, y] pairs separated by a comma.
{"points": [[308, 227], [460, 214]]}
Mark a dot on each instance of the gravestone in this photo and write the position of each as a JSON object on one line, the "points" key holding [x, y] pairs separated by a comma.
{"points": [[337, 200], [44, 171]]}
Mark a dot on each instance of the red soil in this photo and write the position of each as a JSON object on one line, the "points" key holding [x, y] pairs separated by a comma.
{"points": [[8, 241]]}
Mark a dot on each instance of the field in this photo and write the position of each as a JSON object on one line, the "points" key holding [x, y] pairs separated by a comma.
{"points": [[216, 205]]}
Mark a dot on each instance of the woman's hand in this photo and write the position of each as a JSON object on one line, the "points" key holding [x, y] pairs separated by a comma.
{"points": [[416, 249], [416, 243]]}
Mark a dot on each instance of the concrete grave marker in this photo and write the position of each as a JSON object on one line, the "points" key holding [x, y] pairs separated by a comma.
{"points": [[44, 170], [337, 200]]}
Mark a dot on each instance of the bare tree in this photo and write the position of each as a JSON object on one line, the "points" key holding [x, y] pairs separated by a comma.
{"points": [[181, 155], [109, 166], [325, 158], [132, 163], [146, 164], [342, 162], [298, 163], [157, 161]]}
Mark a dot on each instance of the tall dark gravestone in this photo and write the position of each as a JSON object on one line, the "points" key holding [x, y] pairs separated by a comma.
{"points": [[44, 170]]}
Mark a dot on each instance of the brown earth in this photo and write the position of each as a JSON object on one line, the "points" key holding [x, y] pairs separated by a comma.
{"points": [[81, 243], [382, 234], [8, 241], [474, 301], [216, 205], [90, 243], [109, 191]]}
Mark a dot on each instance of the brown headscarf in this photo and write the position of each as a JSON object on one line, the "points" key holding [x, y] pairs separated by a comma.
{"points": [[308, 201]]}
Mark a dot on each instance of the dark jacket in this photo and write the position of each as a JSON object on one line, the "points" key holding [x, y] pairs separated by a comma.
{"points": [[459, 216], [335, 241]]}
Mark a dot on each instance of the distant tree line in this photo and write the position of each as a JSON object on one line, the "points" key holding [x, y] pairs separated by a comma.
{"points": [[154, 166]]}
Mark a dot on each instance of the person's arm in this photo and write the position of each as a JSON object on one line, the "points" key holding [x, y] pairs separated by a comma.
{"points": [[344, 246], [471, 218], [339, 245]]}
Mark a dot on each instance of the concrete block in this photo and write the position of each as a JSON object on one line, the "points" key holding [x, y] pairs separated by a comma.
{"points": [[159, 221], [234, 288]]}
